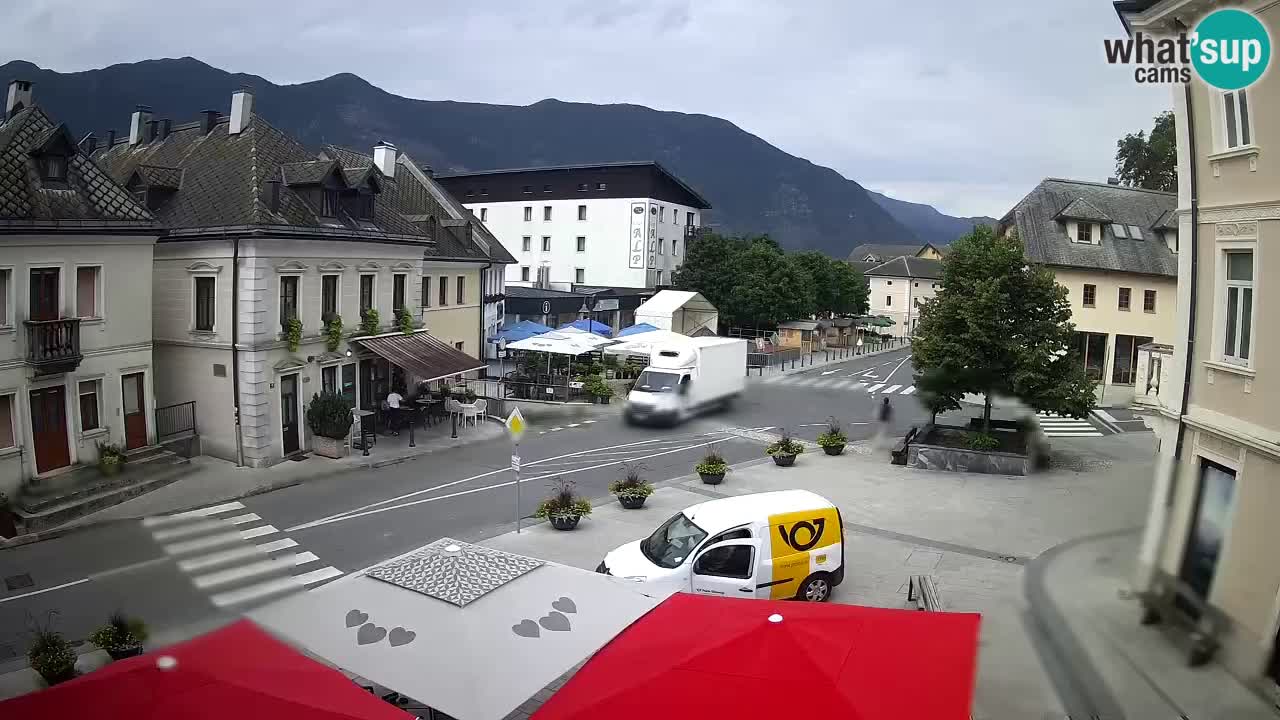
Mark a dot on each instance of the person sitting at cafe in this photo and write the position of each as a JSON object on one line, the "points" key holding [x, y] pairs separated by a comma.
{"points": [[394, 400]]}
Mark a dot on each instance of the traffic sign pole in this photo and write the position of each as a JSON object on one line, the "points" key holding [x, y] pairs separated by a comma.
{"points": [[516, 427], [515, 465]]}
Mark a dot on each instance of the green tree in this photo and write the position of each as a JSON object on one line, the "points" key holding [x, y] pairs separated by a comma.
{"points": [[1150, 161], [1000, 325], [851, 289], [707, 265], [768, 286]]}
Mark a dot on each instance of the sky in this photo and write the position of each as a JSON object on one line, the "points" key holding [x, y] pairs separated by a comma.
{"points": [[961, 105]]}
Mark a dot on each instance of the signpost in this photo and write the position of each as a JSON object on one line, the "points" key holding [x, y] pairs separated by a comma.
{"points": [[516, 427]]}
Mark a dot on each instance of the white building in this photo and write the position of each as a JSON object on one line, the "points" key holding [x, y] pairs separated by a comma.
{"points": [[75, 302], [899, 287], [613, 224]]}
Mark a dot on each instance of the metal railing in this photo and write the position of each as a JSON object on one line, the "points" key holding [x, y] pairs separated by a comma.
{"points": [[175, 420]]}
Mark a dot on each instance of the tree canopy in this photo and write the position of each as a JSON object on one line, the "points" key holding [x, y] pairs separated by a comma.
{"points": [[1150, 161], [999, 325], [755, 283]]}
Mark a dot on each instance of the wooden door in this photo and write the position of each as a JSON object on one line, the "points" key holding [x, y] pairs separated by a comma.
{"points": [[133, 394], [45, 299], [49, 428], [289, 413]]}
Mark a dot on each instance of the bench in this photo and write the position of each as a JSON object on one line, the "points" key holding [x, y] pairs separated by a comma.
{"points": [[898, 452], [1169, 598], [922, 591]]}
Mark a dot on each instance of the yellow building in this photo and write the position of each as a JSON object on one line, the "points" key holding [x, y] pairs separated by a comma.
{"points": [[1114, 248]]}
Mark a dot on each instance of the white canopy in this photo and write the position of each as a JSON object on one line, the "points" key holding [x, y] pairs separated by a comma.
{"points": [[643, 343], [468, 630], [679, 311], [562, 342]]}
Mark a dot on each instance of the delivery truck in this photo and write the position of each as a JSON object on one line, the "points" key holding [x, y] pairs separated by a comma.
{"points": [[688, 377]]}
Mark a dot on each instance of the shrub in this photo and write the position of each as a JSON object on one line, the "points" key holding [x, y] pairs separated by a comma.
{"points": [[983, 441], [119, 633], [713, 463], [786, 445], [333, 333], [632, 483], [404, 321], [596, 386], [51, 655], [564, 502], [834, 435], [293, 333], [329, 416], [110, 453], [370, 323]]}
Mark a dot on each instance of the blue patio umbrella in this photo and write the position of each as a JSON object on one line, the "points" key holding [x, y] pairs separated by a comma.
{"points": [[522, 330], [636, 329], [591, 326]]}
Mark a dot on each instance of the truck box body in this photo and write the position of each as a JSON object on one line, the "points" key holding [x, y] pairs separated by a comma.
{"points": [[685, 378]]}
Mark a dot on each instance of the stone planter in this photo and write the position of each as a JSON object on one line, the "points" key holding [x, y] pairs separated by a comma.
{"points": [[109, 469], [631, 502], [122, 653], [784, 460], [327, 446], [833, 449], [564, 522], [712, 478]]}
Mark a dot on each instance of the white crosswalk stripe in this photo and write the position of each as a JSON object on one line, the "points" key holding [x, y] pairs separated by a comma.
{"points": [[874, 388], [236, 556], [909, 390], [869, 385], [891, 389], [1060, 426]]}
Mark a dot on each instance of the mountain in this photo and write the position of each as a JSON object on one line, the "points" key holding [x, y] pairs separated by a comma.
{"points": [[926, 222], [752, 185]]}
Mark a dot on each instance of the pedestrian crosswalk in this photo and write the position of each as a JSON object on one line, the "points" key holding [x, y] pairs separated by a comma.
{"points": [[235, 556], [1065, 426], [816, 382]]}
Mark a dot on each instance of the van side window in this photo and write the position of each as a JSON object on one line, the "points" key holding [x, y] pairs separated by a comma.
{"points": [[734, 534], [733, 561]]}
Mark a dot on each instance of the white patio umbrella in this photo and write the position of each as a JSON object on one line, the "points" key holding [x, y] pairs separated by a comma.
{"points": [[642, 344], [468, 630], [562, 342]]}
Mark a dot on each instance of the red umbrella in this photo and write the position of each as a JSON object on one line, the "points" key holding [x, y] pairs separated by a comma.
{"points": [[236, 673], [706, 657]]}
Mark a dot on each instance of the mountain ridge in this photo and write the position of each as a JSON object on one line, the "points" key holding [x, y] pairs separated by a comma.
{"points": [[752, 185]]}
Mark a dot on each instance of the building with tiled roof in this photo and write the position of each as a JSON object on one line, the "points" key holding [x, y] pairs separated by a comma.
{"points": [[75, 305], [267, 247], [900, 287], [1115, 249], [883, 252]]}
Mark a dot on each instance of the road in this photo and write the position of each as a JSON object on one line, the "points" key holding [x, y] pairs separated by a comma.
{"points": [[334, 525]]}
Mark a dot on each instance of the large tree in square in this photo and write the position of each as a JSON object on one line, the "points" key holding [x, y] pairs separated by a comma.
{"points": [[1000, 325]]}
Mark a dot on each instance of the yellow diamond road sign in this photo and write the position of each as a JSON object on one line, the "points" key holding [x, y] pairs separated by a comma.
{"points": [[515, 423]]}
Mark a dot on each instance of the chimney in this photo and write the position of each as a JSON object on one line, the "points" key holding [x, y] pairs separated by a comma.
{"points": [[430, 171], [241, 110], [208, 118], [137, 124], [274, 194], [166, 126], [88, 144], [19, 97], [1113, 181], [153, 130], [384, 156], [111, 138]]}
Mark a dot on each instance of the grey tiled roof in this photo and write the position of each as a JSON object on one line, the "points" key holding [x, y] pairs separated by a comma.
{"points": [[1081, 209], [883, 251], [308, 172], [908, 267], [160, 177], [1046, 241], [89, 196]]}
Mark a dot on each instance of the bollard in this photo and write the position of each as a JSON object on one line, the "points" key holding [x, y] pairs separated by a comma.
{"points": [[453, 418], [413, 420]]}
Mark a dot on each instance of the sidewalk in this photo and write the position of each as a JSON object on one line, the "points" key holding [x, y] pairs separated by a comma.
{"points": [[819, 359], [973, 533]]}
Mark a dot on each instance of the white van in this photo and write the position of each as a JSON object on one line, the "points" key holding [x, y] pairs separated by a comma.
{"points": [[774, 545], [688, 377]]}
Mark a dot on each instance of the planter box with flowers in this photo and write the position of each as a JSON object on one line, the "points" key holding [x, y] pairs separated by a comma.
{"points": [[834, 439], [329, 418], [632, 489], [785, 450], [51, 655], [121, 636], [712, 468], [564, 508], [111, 459]]}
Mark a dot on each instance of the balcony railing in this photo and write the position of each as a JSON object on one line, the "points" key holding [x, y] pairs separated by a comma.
{"points": [[693, 232], [53, 346]]}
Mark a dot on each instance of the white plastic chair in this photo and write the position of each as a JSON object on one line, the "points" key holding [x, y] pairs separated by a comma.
{"points": [[482, 409], [469, 412], [452, 407]]}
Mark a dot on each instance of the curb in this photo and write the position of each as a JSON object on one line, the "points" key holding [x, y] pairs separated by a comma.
{"points": [[824, 363], [1105, 418]]}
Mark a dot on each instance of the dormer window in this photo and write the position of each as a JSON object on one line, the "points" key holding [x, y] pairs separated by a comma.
{"points": [[1084, 233], [329, 203], [53, 168], [364, 207]]}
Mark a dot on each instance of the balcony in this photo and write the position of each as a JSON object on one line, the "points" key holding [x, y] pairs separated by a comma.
{"points": [[53, 346], [693, 232]]}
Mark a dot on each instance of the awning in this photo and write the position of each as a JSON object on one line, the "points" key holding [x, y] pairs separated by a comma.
{"points": [[468, 630], [421, 354]]}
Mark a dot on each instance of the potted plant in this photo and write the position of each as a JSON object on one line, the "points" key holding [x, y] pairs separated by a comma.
{"points": [[51, 655], [329, 418], [785, 450], [833, 440], [370, 323], [564, 508], [598, 389], [293, 333], [120, 636], [110, 458], [332, 332], [631, 489], [469, 396], [404, 321], [712, 468]]}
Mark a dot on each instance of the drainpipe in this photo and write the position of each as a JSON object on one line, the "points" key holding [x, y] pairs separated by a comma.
{"points": [[235, 344], [484, 290]]}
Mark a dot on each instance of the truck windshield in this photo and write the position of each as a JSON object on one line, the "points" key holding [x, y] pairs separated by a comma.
{"points": [[671, 543], [657, 382]]}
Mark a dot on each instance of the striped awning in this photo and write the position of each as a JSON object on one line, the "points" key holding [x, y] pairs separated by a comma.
{"points": [[421, 354]]}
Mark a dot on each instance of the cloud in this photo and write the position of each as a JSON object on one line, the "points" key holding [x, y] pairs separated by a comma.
{"points": [[964, 105]]}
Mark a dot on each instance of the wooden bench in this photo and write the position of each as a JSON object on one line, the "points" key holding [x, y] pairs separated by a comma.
{"points": [[1169, 598], [922, 591], [898, 452]]}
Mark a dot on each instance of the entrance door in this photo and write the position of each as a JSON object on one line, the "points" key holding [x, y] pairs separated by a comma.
{"points": [[1209, 528], [727, 569], [133, 396], [289, 413], [49, 428], [44, 294], [348, 387]]}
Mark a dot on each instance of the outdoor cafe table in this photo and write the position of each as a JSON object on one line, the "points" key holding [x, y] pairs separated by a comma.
{"points": [[428, 406]]}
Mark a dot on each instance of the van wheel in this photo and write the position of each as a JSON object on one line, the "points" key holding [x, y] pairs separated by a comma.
{"points": [[815, 588]]}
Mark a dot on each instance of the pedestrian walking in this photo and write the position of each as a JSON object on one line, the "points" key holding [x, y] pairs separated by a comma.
{"points": [[884, 417], [393, 401]]}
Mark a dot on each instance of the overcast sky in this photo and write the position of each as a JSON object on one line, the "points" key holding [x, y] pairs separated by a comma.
{"points": [[962, 105]]}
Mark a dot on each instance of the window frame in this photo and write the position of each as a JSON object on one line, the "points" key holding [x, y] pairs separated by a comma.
{"points": [[579, 275], [442, 291], [6, 297], [1222, 301], [1124, 299], [329, 203], [1240, 117], [888, 300], [484, 214], [751, 561], [1084, 230], [524, 273], [96, 392], [337, 381], [13, 423], [195, 303], [1089, 295], [1148, 301], [399, 286], [546, 213], [582, 213], [51, 161], [283, 280], [337, 294], [99, 296], [546, 243], [461, 290], [581, 243], [674, 250], [526, 243], [373, 293], [424, 290], [662, 246], [528, 213]]}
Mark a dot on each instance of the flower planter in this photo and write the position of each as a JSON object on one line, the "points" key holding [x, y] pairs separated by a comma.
{"points": [[631, 502], [833, 449], [122, 653], [327, 446], [57, 676], [109, 469], [784, 460], [564, 522], [712, 478]]}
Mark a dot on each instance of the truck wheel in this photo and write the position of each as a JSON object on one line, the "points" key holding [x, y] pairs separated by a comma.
{"points": [[815, 588]]}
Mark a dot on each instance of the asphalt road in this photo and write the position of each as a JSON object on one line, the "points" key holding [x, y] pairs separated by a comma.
{"points": [[357, 519]]}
